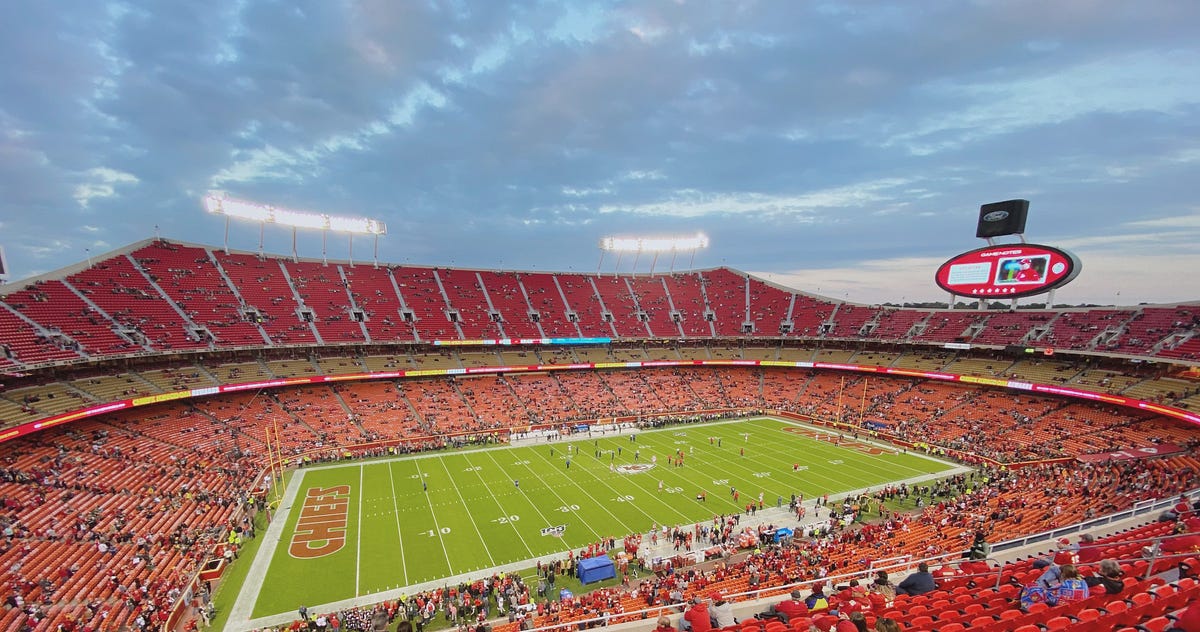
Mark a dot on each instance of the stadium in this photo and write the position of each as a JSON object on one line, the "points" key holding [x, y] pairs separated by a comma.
{"points": [[186, 425], [302, 326]]}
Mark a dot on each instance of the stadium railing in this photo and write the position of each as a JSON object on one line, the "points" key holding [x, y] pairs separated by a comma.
{"points": [[1153, 565]]}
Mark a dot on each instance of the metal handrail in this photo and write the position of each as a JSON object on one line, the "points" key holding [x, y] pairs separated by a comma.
{"points": [[1147, 507]]}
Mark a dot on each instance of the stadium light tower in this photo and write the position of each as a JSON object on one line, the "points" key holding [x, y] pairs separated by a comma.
{"points": [[219, 203], [655, 245]]}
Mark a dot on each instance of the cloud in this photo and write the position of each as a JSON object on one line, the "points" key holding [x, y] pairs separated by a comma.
{"points": [[101, 182], [798, 136], [1158, 81], [805, 206]]}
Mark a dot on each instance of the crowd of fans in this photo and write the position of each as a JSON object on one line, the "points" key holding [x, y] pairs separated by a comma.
{"points": [[154, 499]]}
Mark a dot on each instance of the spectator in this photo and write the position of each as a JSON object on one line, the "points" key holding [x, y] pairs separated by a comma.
{"points": [[854, 622], [881, 596], [980, 548], [664, 624], [721, 611], [852, 598], [1072, 587], [884, 624], [789, 608], [1108, 576], [697, 618], [1189, 619], [1089, 552], [1067, 553], [825, 623], [917, 583], [817, 599]]}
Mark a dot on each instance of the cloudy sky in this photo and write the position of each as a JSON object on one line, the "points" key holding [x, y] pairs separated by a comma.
{"points": [[841, 148]]}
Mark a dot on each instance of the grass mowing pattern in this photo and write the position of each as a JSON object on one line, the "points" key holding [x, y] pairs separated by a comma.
{"points": [[473, 516]]}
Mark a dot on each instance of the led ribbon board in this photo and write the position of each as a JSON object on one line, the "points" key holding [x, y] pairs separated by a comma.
{"points": [[505, 342], [1046, 389], [1009, 271]]}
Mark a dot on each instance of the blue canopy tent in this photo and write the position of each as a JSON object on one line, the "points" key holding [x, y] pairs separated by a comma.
{"points": [[594, 569]]}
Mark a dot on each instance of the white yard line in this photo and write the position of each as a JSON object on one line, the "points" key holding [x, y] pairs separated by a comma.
{"points": [[436, 527], [358, 538], [769, 515], [877, 443], [470, 515], [638, 503], [396, 514], [545, 520], [503, 512], [598, 504], [757, 462], [239, 618], [243, 607]]}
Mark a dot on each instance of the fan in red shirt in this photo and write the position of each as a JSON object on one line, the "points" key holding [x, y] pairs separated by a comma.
{"points": [[789, 609], [1089, 551], [696, 618], [1066, 554]]}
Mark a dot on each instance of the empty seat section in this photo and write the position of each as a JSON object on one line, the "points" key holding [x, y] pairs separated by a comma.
{"points": [[374, 294], [53, 305], [264, 287], [619, 301], [726, 292], [191, 279], [322, 290], [687, 294], [508, 298], [581, 297], [421, 293], [477, 320]]}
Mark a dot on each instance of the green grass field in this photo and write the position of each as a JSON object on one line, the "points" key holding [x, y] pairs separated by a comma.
{"points": [[473, 516]]}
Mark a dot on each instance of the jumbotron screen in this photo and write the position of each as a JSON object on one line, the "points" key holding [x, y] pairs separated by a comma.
{"points": [[1009, 271]]}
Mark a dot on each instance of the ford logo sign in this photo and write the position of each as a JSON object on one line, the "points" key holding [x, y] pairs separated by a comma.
{"points": [[996, 216]]}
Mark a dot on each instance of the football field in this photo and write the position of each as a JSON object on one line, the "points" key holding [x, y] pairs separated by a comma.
{"points": [[363, 528]]}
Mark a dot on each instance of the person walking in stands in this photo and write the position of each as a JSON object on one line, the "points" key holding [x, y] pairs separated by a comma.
{"points": [[917, 583]]}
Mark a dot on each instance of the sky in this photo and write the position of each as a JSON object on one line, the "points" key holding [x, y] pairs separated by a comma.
{"points": [[841, 148]]}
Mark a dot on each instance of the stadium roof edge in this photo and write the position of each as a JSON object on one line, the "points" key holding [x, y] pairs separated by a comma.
{"points": [[66, 271]]}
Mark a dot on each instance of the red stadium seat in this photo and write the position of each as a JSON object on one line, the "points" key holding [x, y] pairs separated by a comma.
{"points": [[1157, 624], [922, 621], [1058, 623]]}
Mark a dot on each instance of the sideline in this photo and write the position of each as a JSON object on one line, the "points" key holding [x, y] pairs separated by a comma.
{"points": [[239, 616], [243, 607]]}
